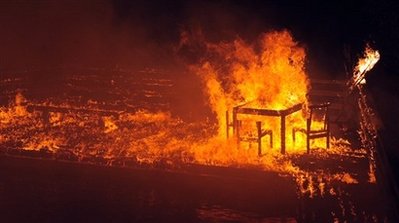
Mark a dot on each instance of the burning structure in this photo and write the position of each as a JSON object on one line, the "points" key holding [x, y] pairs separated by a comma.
{"points": [[110, 121]]}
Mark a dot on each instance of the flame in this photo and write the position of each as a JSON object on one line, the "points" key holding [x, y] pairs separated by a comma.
{"points": [[109, 124], [269, 73], [16, 112], [370, 58], [368, 132]]}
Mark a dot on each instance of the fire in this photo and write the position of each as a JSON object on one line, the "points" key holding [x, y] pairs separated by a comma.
{"points": [[269, 73], [109, 124], [368, 133], [15, 112], [370, 58]]}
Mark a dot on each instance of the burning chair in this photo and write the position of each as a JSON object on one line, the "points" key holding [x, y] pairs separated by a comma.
{"points": [[245, 109], [260, 133], [320, 110], [236, 124]]}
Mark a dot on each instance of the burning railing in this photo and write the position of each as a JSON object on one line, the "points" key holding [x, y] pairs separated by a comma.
{"points": [[368, 129]]}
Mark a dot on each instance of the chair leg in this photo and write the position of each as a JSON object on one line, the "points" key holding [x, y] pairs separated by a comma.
{"points": [[259, 128], [328, 141], [271, 139], [238, 133], [293, 135]]}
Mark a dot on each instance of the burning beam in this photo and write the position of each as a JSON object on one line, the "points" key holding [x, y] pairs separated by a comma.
{"points": [[365, 64], [368, 129]]}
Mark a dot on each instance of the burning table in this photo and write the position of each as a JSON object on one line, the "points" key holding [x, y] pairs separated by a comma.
{"points": [[282, 113]]}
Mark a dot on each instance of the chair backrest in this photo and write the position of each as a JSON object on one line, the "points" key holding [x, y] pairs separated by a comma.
{"points": [[319, 112]]}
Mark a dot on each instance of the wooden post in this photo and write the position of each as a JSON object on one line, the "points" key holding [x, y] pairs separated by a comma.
{"points": [[282, 138], [259, 127]]}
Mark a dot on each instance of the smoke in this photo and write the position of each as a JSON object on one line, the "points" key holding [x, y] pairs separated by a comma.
{"points": [[131, 34], [37, 34], [118, 33]]}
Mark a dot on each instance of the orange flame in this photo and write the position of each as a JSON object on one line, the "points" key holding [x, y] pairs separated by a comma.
{"points": [[269, 73], [371, 57]]}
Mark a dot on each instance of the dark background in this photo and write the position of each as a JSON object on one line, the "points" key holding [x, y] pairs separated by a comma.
{"points": [[144, 33], [140, 34]]}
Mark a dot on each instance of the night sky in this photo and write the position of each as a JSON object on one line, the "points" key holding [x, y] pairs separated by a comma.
{"points": [[142, 33]]}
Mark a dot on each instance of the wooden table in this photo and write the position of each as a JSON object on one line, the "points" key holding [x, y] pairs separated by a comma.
{"points": [[282, 113]]}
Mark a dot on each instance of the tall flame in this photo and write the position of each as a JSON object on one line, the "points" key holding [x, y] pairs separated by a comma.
{"points": [[268, 74]]}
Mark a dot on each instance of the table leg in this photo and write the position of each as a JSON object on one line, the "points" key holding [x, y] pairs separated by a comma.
{"points": [[259, 128], [234, 121], [227, 124], [282, 138]]}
